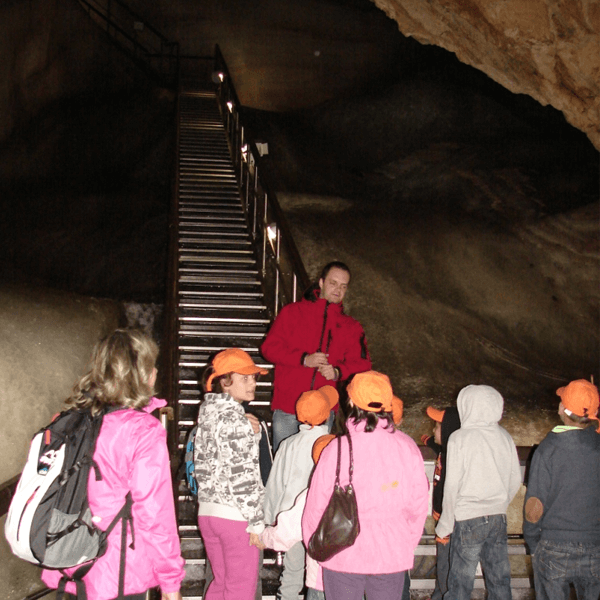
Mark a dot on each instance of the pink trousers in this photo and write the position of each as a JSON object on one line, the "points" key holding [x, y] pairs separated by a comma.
{"points": [[234, 562]]}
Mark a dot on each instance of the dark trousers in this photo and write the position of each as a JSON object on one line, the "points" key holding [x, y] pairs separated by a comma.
{"points": [[557, 564], [353, 586], [483, 539]]}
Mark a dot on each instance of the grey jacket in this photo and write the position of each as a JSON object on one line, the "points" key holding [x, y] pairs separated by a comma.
{"points": [[565, 478], [483, 473]]}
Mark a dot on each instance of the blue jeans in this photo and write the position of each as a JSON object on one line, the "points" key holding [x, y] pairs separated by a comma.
{"points": [[556, 564], [442, 568], [484, 540], [285, 425]]}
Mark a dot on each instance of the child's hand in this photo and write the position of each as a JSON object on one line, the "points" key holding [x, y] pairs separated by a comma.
{"points": [[255, 541], [254, 422]]}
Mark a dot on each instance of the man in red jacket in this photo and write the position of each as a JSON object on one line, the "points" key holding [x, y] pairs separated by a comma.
{"points": [[312, 343]]}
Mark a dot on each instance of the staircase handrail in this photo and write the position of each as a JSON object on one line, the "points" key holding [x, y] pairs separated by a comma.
{"points": [[156, 45], [283, 274]]}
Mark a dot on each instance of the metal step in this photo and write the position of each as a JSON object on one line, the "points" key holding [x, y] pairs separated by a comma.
{"points": [[220, 300]]}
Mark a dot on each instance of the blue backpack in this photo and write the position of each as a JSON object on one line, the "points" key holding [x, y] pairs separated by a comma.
{"points": [[188, 461]]}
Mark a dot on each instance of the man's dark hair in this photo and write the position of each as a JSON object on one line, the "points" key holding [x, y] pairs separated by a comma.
{"points": [[336, 264]]}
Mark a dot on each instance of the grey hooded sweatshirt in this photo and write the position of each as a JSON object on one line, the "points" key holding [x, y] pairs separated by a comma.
{"points": [[482, 467]]}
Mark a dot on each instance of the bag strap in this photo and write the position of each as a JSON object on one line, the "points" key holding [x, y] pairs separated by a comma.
{"points": [[339, 456], [126, 518]]}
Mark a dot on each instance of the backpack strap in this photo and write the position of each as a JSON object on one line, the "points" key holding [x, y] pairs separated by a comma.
{"points": [[126, 517]]}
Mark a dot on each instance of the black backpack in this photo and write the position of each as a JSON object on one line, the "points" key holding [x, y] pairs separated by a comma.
{"points": [[49, 521]]}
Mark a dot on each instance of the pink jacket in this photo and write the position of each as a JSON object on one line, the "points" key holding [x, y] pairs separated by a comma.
{"points": [[287, 532], [392, 496], [131, 452]]}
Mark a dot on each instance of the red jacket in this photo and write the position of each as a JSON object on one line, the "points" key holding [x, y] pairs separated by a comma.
{"points": [[304, 327]]}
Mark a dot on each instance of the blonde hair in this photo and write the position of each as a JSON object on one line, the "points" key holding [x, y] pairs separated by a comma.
{"points": [[120, 373]]}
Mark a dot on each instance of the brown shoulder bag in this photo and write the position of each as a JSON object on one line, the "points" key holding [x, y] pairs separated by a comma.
{"points": [[339, 526]]}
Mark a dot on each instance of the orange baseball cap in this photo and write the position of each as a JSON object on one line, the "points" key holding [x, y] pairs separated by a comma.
{"points": [[320, 444], [580, 397], [397, 410], [313, 407], [233, 360], [435, 414], [371, 391]]}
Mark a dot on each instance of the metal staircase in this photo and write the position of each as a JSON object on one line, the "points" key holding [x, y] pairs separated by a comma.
{"points": [[219, 294]]}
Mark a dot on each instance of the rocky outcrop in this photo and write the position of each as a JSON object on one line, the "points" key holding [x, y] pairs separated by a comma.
{"points": [[548, 49]]}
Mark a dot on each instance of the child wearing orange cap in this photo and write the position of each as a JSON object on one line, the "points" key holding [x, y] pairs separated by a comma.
{"points": [[230, 489], [391, 490], [290, 473], [561, 524], [446, 421]]}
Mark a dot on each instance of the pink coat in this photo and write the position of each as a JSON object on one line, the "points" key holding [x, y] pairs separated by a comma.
{"points": [[392, 496], [131, 452]]}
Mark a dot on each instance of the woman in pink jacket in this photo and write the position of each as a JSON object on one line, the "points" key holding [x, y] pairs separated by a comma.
{"points": [[132, 455], [391, 493]]}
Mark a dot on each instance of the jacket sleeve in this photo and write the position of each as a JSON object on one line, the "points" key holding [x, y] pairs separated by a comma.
{"points": [[275, 487], [417, 503], [245, 483], [356, 357], [454, 474], [153, 506], [516, 478], [281, 345], [288, 530], [536, 498]]}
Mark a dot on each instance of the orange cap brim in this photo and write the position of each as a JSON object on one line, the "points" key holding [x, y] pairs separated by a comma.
{"points": [[435, 414]]}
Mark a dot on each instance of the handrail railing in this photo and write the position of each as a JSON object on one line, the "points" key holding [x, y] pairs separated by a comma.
{"points": [[283, 274], [138, 38]]}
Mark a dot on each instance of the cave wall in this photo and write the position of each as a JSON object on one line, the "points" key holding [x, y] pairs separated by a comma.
{"points": [[51, 50], [548, 49], [47, 340], [300, 53]]}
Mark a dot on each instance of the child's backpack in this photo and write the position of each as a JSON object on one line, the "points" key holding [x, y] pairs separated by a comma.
{"points": [[49, 521], [188, 461]]}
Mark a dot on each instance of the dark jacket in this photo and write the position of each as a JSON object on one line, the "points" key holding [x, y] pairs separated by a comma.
{"points": [[450, 423], [301, 328], [565, 477]]}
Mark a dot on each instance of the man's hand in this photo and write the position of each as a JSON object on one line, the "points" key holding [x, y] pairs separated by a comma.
{"points": [[254, 422], [255, 541], [316, 360], [328, 372]]}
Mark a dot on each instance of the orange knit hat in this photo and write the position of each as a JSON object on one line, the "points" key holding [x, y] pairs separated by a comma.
{"points": [[233, 360], [320, 444], [313, 407], [580, 397], [371, 391]]}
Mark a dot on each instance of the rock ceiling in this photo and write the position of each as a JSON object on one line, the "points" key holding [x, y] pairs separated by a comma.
{"points": [[548, 49]]}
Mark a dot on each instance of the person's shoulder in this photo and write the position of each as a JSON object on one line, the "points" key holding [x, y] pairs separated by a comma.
{"points": [[294, 309], [132, 423], [349, 322]]}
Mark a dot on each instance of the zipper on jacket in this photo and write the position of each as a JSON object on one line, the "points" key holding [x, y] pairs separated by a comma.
{"points": [[312, 383]]}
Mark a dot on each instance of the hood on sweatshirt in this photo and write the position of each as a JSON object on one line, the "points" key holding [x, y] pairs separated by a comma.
{"points": [[479, 406]]}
